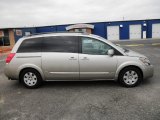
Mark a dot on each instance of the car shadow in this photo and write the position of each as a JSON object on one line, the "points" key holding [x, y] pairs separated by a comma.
{"points": [[82, 84], [108, 83]]}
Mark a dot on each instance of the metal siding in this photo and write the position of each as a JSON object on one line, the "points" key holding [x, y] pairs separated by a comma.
{"points": [[61, 27], [46, 29], [149, 29], [99, 29], [124, 31]]}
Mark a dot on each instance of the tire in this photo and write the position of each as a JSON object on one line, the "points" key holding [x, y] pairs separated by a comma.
{"points": [[31, 78], [130, 77]]}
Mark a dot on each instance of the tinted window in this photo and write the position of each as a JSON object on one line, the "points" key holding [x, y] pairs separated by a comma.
{"points": [[30, 45], [61, 44]]}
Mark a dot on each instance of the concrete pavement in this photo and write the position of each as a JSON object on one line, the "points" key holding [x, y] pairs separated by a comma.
{"points": [[101, 100]]}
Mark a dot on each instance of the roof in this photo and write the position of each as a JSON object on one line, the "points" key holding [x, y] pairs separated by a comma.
{"points": [[55, 33], [76, 23], [79, 26]]}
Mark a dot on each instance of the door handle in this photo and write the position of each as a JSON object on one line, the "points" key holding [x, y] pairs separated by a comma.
{"points": [[72, 58], [84, 58]]}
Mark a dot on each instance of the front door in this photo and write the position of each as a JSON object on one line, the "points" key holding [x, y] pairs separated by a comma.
{"points": [[95, 64], [60, 58]]}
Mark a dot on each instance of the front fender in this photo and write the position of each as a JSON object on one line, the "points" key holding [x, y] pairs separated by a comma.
{"points": [[127, 64]]}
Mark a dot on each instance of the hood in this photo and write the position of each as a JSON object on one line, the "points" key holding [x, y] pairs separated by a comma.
{"points": [[134, 54]]}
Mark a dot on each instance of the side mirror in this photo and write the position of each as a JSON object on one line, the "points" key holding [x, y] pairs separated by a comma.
{"points": [[110, 52]]}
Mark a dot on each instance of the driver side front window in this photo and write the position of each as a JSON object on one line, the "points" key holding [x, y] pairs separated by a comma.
{"points": [[94, 47]]}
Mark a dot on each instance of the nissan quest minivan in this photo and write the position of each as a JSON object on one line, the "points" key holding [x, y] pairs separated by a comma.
{"points": [[74, 56]]}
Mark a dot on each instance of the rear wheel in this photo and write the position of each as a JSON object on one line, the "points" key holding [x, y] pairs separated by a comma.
{"points": [[130, 77], [31, 78]]}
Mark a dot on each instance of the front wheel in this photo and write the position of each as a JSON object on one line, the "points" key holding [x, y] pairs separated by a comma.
{"points": [[130, 77], [31, 78]]}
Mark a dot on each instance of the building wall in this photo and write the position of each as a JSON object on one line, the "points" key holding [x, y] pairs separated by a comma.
{"points": [[32, 30], [11, 37], [149, 27], [100, 28]]}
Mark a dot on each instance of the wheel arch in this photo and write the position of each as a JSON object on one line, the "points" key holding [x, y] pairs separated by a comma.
{"points": [[122, 68], [40, 72]]}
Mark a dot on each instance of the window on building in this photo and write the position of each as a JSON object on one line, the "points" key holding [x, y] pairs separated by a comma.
{"points": [[84, 30], [76, 30], [80, 30], [4, 38]]}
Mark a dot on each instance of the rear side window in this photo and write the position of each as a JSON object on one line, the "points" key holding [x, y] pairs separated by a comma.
{"points": [[60, 44], [30, 45]]}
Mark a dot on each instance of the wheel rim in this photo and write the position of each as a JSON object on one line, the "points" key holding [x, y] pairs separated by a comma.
{"points": [[30, 79], [130, 77]]}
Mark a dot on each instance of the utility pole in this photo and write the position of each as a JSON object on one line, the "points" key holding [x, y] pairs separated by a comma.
{"points": [[123, 18]]}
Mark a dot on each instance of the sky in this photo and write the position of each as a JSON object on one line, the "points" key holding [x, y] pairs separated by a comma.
{"points": [[29, 13]]}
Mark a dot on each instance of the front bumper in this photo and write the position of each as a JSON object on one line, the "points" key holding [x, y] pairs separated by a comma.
{"points": [[148, 71]]}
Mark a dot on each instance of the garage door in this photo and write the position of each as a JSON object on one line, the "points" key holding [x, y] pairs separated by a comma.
{"points": [[155, 30], [135, 31], [113, 32]]}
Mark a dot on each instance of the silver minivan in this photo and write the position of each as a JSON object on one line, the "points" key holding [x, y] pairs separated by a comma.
{"points": [[74, 56]]}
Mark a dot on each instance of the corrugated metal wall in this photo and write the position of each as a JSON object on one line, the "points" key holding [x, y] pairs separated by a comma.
{"points": [[100, 28]]}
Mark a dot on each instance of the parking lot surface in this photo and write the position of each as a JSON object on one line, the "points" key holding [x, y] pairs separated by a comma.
{"points": [[98, 100]]}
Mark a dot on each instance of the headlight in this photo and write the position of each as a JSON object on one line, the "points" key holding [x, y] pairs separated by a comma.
{"points": [[145, 60]]}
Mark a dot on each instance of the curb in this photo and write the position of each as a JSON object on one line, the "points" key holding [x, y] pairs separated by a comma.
{"points": [[128, 40]]}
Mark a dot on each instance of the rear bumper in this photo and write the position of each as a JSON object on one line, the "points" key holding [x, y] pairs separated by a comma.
{"points": [[148, 71], [10, 74]]}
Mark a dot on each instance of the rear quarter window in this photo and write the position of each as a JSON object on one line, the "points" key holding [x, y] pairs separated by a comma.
{"points": [[30, 45]]}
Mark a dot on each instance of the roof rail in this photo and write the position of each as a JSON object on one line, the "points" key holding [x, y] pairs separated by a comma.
{"points": [[51, 33]]}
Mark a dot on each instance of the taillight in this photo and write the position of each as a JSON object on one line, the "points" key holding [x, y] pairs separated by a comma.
{"points": [[10, 57]]}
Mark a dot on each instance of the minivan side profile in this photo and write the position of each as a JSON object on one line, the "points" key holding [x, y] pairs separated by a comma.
{"points": [[74, 56]]}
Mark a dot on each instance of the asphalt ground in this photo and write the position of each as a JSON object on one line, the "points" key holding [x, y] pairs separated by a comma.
{"points": [[100, 100]]}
